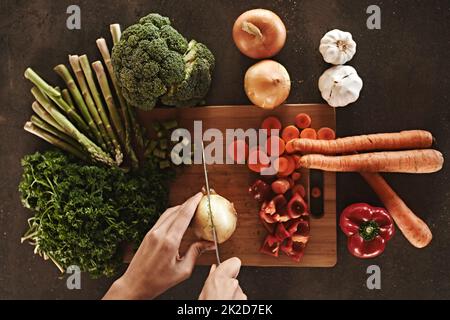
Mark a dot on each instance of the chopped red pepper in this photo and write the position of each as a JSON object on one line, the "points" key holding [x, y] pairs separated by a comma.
{"points": [[271, 246], [368, 229], [297, 207], [281, 233], [260, 191], [294, 250], [275, 210], [299, 229]]}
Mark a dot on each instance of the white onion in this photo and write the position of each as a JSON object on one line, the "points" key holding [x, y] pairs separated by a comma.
{"points": [[223, 214]]}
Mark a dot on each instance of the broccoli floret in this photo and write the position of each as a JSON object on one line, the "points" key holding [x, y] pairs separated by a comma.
{"points": [[192, 90], [154, 62]]}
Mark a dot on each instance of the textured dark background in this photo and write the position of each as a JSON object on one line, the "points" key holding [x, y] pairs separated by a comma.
{"points": [[405, 67]]}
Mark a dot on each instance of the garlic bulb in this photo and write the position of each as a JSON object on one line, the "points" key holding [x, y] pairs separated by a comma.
{"points": [[340, 85], [337, 47]]}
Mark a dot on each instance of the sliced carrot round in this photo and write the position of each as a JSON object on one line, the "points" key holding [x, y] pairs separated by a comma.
{"points": [[300, 189], [275, 140], [281, 164], [290, 168], [271, 123], [258, 160], [326, 134], [289, 148], [238, 151], [290, 133], [280, 186], [296, 158], [296, 176], [303, 121], [308, 133]]}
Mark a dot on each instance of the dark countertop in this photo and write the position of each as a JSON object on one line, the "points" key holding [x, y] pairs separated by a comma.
{"points": [[405, 67]]}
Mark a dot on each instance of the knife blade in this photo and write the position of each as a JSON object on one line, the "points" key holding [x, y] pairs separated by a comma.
{"points": [[208, 194]]}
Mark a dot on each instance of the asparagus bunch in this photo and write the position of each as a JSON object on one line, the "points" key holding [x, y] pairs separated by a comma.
{"points": [[84, 118]]}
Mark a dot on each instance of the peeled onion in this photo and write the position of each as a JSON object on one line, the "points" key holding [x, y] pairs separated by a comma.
{"points": [[224, 217], [259, 33], [267, 84]]}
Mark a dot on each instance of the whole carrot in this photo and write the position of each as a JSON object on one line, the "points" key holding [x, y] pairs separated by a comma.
{"points": [[414, 229], [411, 161], [413, 139]]}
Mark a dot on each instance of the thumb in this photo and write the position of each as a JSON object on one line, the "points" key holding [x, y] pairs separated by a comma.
{"points": [[213, 268], [230, 267], [196, 250]]}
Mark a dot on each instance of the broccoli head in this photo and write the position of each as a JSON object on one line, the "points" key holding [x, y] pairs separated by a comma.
{"points": [[154, 63]]}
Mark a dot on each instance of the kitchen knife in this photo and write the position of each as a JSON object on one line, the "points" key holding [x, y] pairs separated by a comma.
{"points": [[208, 193]]}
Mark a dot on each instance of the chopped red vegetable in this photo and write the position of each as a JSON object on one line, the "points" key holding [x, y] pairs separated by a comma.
{"points": [[260, 191], [297, 206], [280, 186], [368, 229], [326, 134], [308, 133], [275, 141], [299, 229], [275, 210], [290, 133], [300, 189], [271, 246], [294, 250], [281, 233], [258, 160]]}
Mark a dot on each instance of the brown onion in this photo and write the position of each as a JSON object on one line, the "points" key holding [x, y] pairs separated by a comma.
{"points": [[267, 84], [259, 34]]}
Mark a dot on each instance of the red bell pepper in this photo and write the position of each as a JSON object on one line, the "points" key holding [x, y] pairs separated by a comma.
{"points": [[368, 229], [275, 210], [281, 233], [260, 191], [299, 229], [271, 246], [297, 207], [294, 250]]}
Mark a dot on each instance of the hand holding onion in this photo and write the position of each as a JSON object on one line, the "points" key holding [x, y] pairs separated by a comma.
{"points": [[224, 217]]}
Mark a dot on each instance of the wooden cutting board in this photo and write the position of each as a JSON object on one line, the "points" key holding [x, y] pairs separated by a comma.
{"points": [[232, 181]]}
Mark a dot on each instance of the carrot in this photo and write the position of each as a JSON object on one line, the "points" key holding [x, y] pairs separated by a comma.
{"points": [[413, 228], [290, 133], [238, 151], [296, 158], [316, 192], [271, 123], [296, 176], [275, 140], [308, 133], [411, 161], [413, 139], [280, 186], [290, 168], [300, 189], [257, 160], [281, 164], [326, 134], [303, 121]]}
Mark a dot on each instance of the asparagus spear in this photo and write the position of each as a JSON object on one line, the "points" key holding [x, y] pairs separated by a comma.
{"points": [[116, 34], [106, 90], [76, 67], [64, 73], [95, 151], [30, 127], [40, 111], [103, 47], [86, 67], [38, 122], [67, 97], [54, 95]]}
